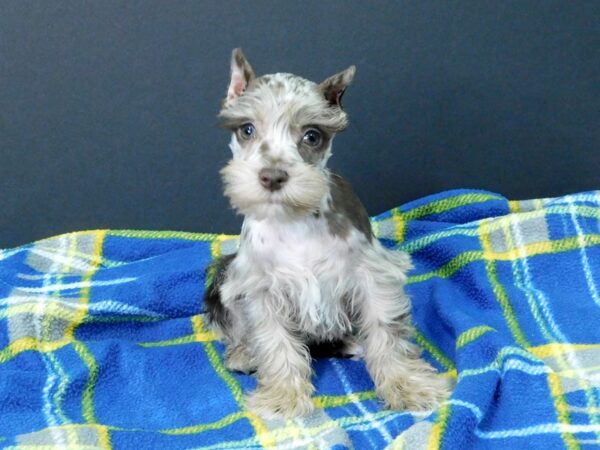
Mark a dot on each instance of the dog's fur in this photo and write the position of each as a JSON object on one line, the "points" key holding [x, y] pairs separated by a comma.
{"points": [[308, 269]]}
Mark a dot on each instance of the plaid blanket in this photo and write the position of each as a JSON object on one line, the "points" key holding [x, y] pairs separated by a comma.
{"points": [[103, 342]]}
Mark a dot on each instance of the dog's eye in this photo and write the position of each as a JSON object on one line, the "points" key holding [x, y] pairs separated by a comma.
{"points": [[312, 138], [247, 131]]}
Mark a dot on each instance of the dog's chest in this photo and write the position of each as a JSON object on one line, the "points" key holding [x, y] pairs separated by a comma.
{"points": [[310, 266], [307, 246]]}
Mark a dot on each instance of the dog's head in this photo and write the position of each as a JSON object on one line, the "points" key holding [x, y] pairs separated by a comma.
{"points": [[282, 126]]}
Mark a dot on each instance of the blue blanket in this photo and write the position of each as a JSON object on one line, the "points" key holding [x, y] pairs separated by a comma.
{"points": [[103, 342]]}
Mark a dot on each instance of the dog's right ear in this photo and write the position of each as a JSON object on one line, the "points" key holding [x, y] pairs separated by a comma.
{"points": [[333, 88], [241, 75]]}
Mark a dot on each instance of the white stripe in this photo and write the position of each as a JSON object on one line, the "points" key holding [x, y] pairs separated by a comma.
{"points": [[529, 285], [57, 434], [517, 364], [307, 440], [502, 360], [355, 400], [75, 263], [388, 418], [470, 406], [556, 332], [507, 365], [4, 254], [591, 197], [571, 355], [77, 285], [547, 428], [107, 306], [584, 258]]}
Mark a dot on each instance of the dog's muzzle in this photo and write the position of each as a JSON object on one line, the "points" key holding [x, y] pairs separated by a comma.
{"points": [[273, 179]]}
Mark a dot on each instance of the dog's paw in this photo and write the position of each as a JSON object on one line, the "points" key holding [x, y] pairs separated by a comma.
{"points": [[415, 393], [238, 359], [281, 402]]}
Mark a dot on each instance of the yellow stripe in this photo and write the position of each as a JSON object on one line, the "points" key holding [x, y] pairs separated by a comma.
{"points": [[104, 437], [262, 432], [51, 447], [29, 343], [183, 235], [498, 289], [562, 409], [199, 334], [447, 270], [538, 248], [401, 218], [437, 432], [450, 374], [434, 351], [472, 334], [85, 290], [190, 339], [447, 204], [221, 423], [555, 349], [215, 245], [399, 225], [86, 356], [333, 401], [88, 391]]}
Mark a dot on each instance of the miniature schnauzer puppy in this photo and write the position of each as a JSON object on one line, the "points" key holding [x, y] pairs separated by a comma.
{"points": [[308, 269]]}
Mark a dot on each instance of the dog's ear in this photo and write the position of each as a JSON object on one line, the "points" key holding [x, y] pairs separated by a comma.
{"points": [[333, 88], [241, 74]]}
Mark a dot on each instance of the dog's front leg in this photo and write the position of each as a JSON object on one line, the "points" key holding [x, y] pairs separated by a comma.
{"points": [[402, 379], [283, 365]]}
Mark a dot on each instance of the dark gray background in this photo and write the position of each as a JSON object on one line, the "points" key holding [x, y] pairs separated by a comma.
{"points": [[107, 109]]}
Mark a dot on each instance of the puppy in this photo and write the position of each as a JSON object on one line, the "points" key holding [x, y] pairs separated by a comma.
{"points": [[308, 270]]}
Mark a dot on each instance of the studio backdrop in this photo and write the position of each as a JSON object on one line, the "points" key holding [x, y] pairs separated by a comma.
{"points": [[108, 109]]}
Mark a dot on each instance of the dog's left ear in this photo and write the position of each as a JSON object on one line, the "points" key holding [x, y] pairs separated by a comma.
{"points": [[241, 74], [333, 88]]}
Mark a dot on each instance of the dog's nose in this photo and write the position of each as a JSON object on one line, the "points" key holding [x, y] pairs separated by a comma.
{"points": [[273, 179]]}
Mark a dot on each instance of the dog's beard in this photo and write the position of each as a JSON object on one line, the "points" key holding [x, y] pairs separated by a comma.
{"points": [[301, 194]]}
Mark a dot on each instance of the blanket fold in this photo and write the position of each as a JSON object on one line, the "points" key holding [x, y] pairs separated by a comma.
{"points": [[103, 342]]}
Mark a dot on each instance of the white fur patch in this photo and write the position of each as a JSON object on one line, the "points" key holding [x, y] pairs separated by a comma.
{"points": [[311, 276]]}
